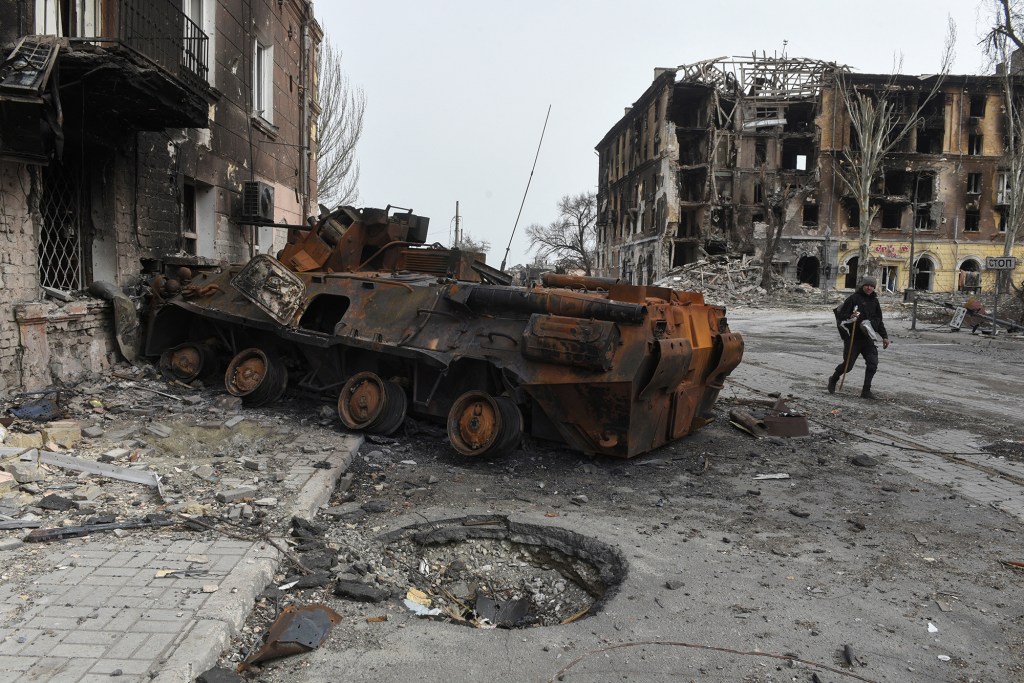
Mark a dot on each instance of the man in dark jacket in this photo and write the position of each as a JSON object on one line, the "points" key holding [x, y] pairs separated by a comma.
{"points": [[863, 310]]}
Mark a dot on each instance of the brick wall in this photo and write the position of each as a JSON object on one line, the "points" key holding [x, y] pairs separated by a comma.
{"points": [[19, 281], [40, 341]]}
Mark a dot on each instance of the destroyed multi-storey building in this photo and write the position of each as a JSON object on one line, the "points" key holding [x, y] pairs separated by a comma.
{"points": [[717, 155], [136, 136]]}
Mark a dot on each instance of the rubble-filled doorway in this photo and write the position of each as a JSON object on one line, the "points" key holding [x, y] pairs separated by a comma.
{"points": [[807, 269]]}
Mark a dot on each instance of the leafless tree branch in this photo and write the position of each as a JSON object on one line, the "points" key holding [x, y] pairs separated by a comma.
{"points": [[572, 237], [339, 128]]}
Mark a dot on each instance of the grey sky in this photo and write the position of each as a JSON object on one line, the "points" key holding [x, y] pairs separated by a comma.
{"points": [[457, 89]]}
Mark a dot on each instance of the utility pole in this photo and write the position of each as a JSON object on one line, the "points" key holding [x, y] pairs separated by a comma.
{"points": [[458, 230]]}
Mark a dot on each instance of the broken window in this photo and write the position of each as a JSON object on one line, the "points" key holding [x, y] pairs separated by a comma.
{"points": [[973, 183], [796, 154], [852, 213], [262, 81], [889, 278], [1000, 215], [978, 106], [972, 220], [891, 216], [811, 214], [758, 193], [800, 117], [923, 217], [760, 152], [188, 219], [1003, 190], [974, 144], [924, 186], [687, 224], [60, 243]]}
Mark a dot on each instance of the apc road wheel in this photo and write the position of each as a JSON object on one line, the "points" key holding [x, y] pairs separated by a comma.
{"points": [[188, 361], [481, 424], [256, 376], [371, 404]]}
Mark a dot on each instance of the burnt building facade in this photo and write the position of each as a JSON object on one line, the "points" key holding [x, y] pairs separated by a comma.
{"points": [[139, 135], [716, 155]]}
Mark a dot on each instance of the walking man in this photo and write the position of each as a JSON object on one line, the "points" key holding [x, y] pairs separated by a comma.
{"points": [[860, 325]]}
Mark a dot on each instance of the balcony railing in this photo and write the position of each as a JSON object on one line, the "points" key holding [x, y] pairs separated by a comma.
{"points": [[160, 31]]}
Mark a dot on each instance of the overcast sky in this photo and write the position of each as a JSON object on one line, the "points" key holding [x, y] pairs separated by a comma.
{"points": [[457, 90]]}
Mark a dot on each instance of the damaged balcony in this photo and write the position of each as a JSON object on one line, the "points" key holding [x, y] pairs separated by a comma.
{"points": [[129, 65]]}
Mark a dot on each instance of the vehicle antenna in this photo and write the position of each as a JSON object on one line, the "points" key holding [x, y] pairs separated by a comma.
{"points": [[537, 156]]}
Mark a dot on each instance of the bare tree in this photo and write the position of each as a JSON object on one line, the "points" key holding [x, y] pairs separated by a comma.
{"points": [[339, 127], [466, 242], [571, 239], [880, 124], [773, 205], [1000, 43]]}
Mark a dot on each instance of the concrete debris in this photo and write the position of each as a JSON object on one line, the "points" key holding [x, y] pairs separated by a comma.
{"points": [[235, 495]]}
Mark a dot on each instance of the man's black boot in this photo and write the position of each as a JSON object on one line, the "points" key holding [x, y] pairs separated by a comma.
{"points": [[866, 393], [832, 381]]}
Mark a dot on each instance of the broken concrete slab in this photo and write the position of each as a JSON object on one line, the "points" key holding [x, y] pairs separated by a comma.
{"points": [[19, 440], [93, 432], [25, 472], [234, 421], [158, 429], [237, 494], [65, 433]]}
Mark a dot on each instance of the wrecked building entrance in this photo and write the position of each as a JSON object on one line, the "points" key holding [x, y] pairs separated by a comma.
{"points": [[807, 270]]}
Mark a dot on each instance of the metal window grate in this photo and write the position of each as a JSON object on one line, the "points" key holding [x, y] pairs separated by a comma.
{"points": [[60, 243]]}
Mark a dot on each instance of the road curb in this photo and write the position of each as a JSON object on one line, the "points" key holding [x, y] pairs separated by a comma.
{"points": [[200, 648], [320, 486]]}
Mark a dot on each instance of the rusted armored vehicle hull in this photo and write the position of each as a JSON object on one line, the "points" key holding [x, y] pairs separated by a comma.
{"points": [[606, 368]]}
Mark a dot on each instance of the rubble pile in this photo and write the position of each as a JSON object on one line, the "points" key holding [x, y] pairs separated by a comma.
{"points": [[732, 281], [116, 449]]}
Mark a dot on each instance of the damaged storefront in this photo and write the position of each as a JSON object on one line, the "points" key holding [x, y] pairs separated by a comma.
{"points": [[128, 142]]}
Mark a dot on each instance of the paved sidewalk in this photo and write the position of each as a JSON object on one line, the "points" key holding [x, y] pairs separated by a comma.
{"points": [[101, 611]]}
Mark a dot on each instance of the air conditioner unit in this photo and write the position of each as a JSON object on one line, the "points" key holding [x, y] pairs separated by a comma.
{"points": [[843, 270], [257, 202]]}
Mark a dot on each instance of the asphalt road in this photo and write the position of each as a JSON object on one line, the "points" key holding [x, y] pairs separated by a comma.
{"points": [[900, 565]]}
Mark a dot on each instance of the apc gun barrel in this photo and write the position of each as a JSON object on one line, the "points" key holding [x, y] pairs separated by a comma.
{"points": [[526, 301]]}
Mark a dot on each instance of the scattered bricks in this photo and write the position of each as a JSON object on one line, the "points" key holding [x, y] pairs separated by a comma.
{"points": [[234, 495], [265, 502], [66, 433], [93, 432], [53, 501], [86, 505], [17, 440], [234, 422], [310, 448], [25, 472], [160, 430], [253, 464], [211, 425], [6, 482], [247, 512]]}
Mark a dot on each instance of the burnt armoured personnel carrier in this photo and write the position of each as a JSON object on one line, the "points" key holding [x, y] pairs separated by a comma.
{"points": [[359, 308]]}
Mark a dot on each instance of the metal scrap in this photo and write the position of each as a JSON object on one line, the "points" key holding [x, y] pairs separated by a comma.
{"points": [[296, 630], [70, 462], [58, 533]]}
